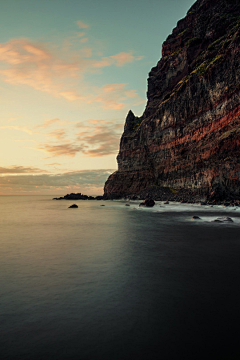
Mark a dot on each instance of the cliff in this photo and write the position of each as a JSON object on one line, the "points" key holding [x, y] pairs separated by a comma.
{"points": [[188, 138]]}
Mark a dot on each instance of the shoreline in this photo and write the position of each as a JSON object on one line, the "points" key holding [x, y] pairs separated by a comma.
{"points": [[179, 197]]}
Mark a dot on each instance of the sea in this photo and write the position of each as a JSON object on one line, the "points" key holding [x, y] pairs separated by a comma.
{"points": [[106, 281]]}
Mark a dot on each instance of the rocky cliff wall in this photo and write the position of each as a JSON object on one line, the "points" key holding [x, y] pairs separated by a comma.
{"points": [[188, 138]]}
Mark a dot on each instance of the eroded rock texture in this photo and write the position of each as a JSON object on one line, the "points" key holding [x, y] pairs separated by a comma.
{"points": [[188, 137]]}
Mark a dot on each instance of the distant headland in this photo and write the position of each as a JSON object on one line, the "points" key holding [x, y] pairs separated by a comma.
{"points": [[78, 196]]}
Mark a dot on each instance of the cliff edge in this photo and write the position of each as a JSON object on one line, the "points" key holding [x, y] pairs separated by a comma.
{"points": [[188, 138]]}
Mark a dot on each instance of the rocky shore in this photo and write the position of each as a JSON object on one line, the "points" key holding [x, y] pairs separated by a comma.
{"points": [[183, 196], [154, 193]]}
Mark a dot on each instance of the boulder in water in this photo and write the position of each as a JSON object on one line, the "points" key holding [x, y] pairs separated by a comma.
{"points": [[73, 206], [224, 219], [148, 203]]}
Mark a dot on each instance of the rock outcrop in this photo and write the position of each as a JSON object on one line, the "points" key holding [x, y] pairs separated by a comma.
{"points": [[78, 196], [147, 203], [73, 206], [188, 138]]}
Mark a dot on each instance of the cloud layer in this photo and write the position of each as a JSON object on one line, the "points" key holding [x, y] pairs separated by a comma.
{"points": [[88, 181], [14, 169], [62, 72], [83, 77], [94, 138]]}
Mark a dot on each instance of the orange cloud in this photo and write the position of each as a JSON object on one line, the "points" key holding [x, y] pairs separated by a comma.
{"points": [[113, 96], [110, 96], [33, 64], [54, 164], [58, 134], [82, 25], [86, 52], [101, 139], [118, 60], [72, 95], [95, 138], [19, 128], [84, 40], [66, 149], [48, 123], [104, 62], [19, 51], [14, 169], [124, 58]]}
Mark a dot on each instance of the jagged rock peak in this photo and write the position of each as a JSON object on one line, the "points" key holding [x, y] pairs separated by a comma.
{"points": [[129, 121]]}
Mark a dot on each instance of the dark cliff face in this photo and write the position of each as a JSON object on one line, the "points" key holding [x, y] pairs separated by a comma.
{"points": [[189, 134]]}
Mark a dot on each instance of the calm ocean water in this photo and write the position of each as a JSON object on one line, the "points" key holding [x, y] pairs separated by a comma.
{"points": [[117, 282]]}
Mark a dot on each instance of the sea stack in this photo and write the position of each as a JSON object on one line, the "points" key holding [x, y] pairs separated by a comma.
{"points": [[187, 141]]}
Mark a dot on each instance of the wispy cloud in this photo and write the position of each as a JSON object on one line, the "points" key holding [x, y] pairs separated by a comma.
{"points": [[113, 96], [125, 58], [101, 140], [48, 123], [18, 128], [84, 40], [14, 169], [54, 164], [72, 96], [58, 134], [119, 60], [81, 34], [65, 149], [36, 66], [82, 25], [94, 138], [44, 68]]}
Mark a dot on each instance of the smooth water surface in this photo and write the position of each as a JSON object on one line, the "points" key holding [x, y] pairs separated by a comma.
{"points": [[114, 282]]}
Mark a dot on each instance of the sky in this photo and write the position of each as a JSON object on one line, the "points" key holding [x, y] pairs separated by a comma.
{"points": [[70, 70]]}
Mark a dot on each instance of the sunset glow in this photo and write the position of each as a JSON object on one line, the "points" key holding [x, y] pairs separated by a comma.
{"points": [[69, 73]]}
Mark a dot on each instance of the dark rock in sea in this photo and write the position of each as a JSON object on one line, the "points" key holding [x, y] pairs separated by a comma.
{"points": [[224, 220], [226, 204], [196, 218], [133, 197], [186, 144], [148, 203], [73, 206]]}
